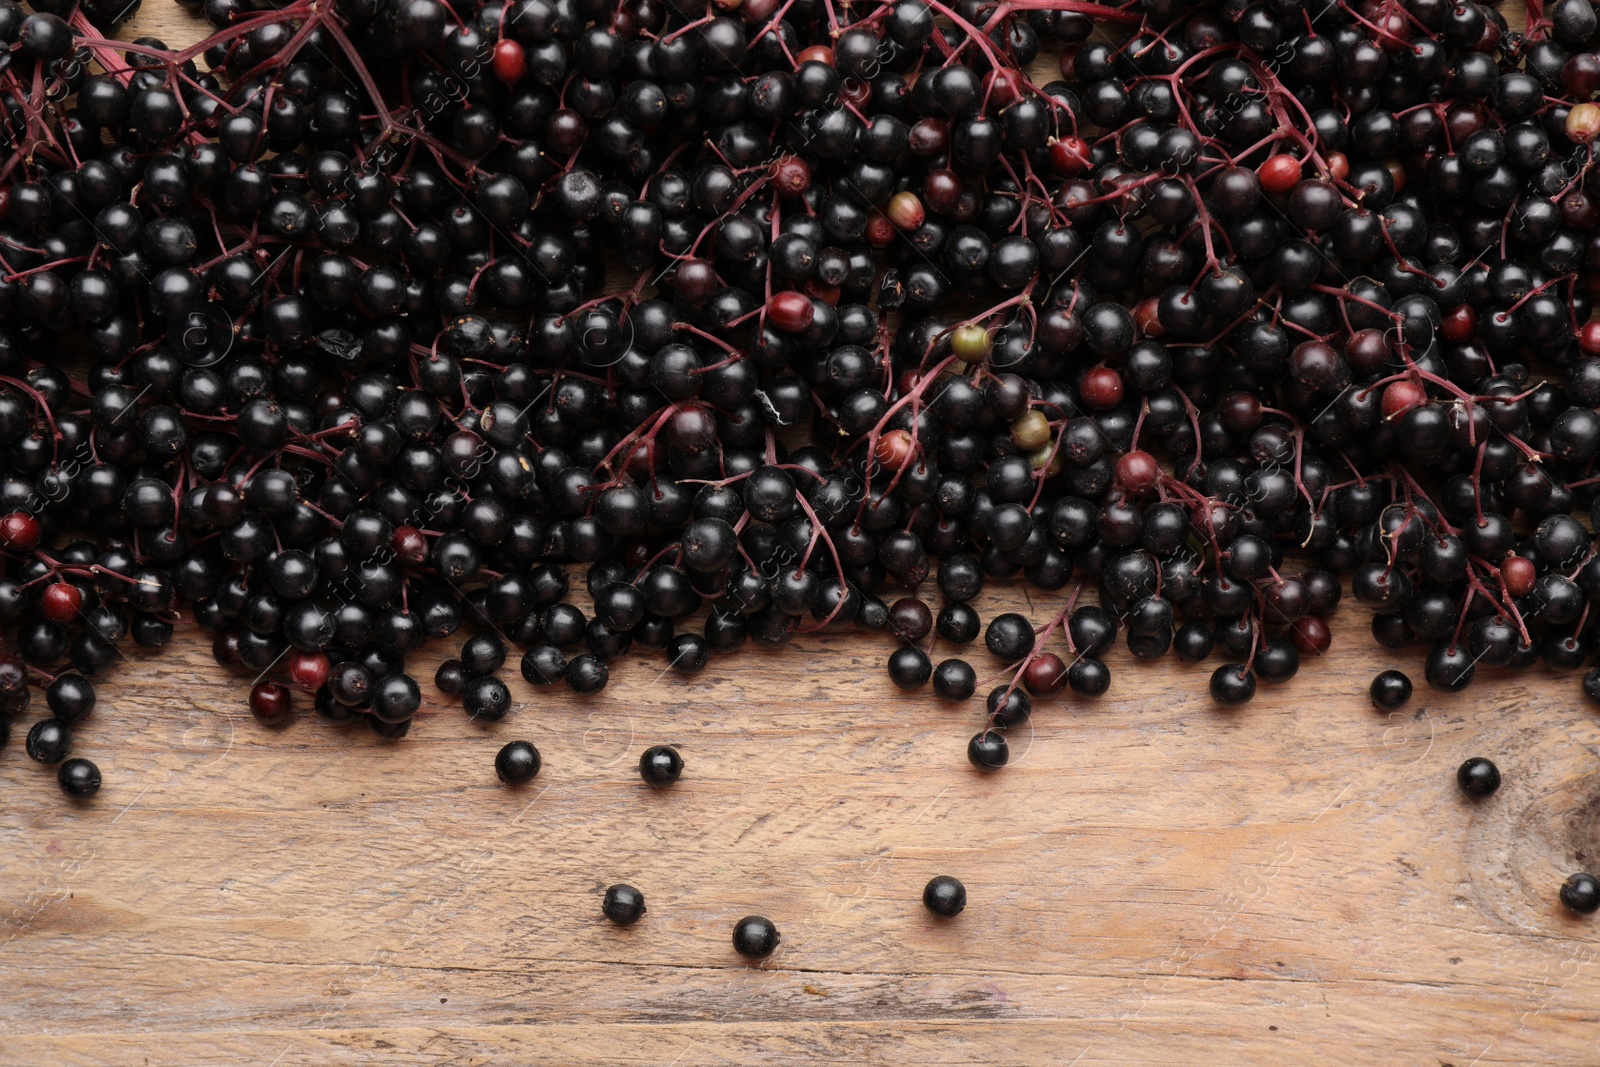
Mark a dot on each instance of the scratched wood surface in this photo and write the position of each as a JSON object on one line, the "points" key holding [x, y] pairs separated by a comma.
{"points": [[1152, 880]]}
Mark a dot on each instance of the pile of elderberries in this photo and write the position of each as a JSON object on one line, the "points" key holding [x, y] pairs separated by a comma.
{"points": [[361, 321]]}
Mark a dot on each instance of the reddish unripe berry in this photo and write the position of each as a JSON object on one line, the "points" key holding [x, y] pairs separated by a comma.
{"points": [[941, 189], [1279, 173], [20, 531], [1519, 574], [857, 92], [410, 547], [1589, 337], [1069, 157], [1393, 31], [1400, 397], [1459, 324], [1310, 636], [905, 210], [1045, 675], [894, 450], [879, 232], [791, 175], [308, 670], [1147, 317], [1101, 388], [507, 61], [790, 311], [1138, 471], [1338, 165], [60, 602], [1397, 174], [817, 53], [270, 702], [1004, 86]]}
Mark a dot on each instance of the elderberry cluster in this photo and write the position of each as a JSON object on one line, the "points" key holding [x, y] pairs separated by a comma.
{"points": [[393, 310]]}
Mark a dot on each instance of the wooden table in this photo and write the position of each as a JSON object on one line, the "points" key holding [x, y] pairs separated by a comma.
{"points": [[1152, 880]]}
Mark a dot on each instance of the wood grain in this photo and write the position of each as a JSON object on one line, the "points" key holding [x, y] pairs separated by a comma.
{"points": [[1152, 880]]}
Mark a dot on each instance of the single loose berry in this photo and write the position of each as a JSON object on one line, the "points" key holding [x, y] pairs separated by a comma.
{"points": [[944, 896], [270, 702], [1580, 893], [1389, 690], [516, 762], [660, 765], [1478, 777], [49, 741], [623, 905], [755, 937], [78, 778]]}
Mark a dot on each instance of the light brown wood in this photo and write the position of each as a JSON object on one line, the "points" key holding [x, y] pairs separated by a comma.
{"points": [[1152, 880]]}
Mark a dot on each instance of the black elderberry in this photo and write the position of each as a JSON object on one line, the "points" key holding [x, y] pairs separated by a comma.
{"points": [[660, 766], [516, 762], [944, 896], [1580, 893], [623, 904], [48, 741], [988, 750], [78, 778], [755, 937], [1478, 777]]}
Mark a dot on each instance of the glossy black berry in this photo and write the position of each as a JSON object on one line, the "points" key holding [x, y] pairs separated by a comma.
{"points": [[1232, 684], [623, 904], [1478, 777], [517, 762], [48, 741], [909, 668], [988, 750], [1580, 893], [1009, 636], [1389, 690], [944, 896], [660, 765], [78, 778], [755, 937], [485, 698], [954, 679]]}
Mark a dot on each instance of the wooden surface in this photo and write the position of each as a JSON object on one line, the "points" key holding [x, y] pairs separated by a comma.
{"points": [[1152, 880]]}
